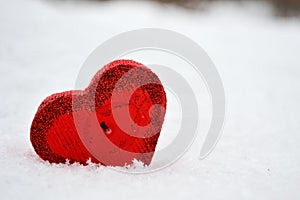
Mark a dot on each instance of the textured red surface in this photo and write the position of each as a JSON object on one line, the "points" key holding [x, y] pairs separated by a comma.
{"points": [[55, 136]]}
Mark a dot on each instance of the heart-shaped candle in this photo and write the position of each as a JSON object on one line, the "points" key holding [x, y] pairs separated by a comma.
{"points": [[113, 121]]}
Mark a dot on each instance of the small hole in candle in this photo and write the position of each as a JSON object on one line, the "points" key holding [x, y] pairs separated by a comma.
{"points": [[105, 127]]}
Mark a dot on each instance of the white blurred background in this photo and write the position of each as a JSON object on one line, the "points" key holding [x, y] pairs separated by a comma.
{"points": [[255, 46]]}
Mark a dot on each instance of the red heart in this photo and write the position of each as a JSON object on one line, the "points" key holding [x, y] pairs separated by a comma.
{"points": [[116, 120]]}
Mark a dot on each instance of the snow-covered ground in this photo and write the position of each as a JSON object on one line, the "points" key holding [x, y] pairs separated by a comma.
{"points": [[43, 44]]}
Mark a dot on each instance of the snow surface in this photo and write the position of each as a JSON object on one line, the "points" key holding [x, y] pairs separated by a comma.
{"points": [[43, 44]]}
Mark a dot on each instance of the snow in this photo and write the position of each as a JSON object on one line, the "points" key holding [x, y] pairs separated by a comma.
{"points": [[43, 43]]}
